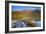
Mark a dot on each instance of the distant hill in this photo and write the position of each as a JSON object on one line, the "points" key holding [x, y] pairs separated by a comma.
{"points": [[26, 13], [37, 11]]}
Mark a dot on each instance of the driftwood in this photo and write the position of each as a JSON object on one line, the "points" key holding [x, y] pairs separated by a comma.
{"points": [[30, 22]]}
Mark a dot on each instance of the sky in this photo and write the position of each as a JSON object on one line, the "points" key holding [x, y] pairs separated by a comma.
{"points": [[18, 8]]}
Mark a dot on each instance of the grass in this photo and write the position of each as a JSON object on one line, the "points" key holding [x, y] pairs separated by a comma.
{"points": [[19, 16]]}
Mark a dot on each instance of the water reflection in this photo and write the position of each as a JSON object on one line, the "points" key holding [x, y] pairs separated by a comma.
{"points": [[20, 24], [38, 23]]}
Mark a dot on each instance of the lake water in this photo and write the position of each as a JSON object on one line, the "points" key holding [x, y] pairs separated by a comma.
{"points": [[38, 24], [20, 24]]}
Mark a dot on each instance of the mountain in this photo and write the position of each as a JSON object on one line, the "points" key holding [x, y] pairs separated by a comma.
{"points": [[26, 14], [36, 11]]}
